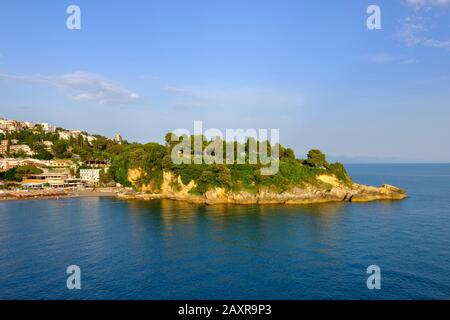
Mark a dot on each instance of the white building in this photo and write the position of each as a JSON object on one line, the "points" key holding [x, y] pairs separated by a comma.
{"points": [[9, 125], [47, 144], [21, 148], [28, 124], [90, 176], [61, 163], [64, 135], [90, 139], [48, 127], [118, 139]]}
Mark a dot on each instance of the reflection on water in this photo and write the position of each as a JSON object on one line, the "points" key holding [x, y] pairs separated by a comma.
{"points": [[174, 212], [224, 220]]}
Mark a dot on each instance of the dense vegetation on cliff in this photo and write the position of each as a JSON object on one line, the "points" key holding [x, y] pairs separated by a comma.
{"points": [[153, 159]]}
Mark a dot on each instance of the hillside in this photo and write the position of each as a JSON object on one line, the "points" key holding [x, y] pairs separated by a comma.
{"points": [[46, 142]]}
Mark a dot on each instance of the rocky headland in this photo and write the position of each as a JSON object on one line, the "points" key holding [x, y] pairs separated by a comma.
{"points": [[328, 189]]}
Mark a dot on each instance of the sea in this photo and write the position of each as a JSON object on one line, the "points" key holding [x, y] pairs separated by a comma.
{"points": [[165, 249]]}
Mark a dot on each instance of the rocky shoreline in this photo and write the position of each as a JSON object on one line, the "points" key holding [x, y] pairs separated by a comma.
{"points": [[336, 192], [310, 194], [57, 194]]}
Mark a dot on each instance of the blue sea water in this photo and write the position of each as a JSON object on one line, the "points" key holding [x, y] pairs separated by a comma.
{"points": [[175, 250]]}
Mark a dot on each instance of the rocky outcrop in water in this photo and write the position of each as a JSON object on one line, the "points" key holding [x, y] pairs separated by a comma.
{"points": [[330, 190]]}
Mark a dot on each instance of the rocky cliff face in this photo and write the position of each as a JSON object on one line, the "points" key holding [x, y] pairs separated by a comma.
{"points": [[330, 190]]}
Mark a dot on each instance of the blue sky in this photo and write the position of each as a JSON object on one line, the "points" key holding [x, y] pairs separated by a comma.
{"points": [[310, 68]]}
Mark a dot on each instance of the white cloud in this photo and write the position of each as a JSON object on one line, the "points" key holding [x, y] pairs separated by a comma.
{"points": [[407, 61], [86, 86], [412, 30], [386, 58], [223, 97], [415, 29], [179, 91], [381, 58], [419, 4]]}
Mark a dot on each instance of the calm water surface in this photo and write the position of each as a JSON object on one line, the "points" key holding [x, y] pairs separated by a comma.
{"points": [[174, 250]]}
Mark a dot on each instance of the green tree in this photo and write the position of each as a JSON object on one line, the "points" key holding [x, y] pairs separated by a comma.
{"points": [[286, 153], [60, 149], [316, 159], [9, 175], [41, 152], [339, 171], [224, 178], [18, 173], [106, 177], [25, 171]]}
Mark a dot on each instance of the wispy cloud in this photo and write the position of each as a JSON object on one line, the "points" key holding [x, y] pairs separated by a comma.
{"points": [[388, 58], [86, 86], [233, 97], [412, 30], [419, 4], [415, 29]]}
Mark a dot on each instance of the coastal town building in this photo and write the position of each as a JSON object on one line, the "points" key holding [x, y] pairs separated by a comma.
{"points": [[14, 148], [47, 143], [90, 139], [28, 124], [7, 164], [60, 163], [6, 142], [90, 176], [3, 149], [118, 139], [10, 125], [21, 148], [104, 164], [32, 162], [66, 135], [53, 179], [7, 125], [48, 128], [50, 179]]}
